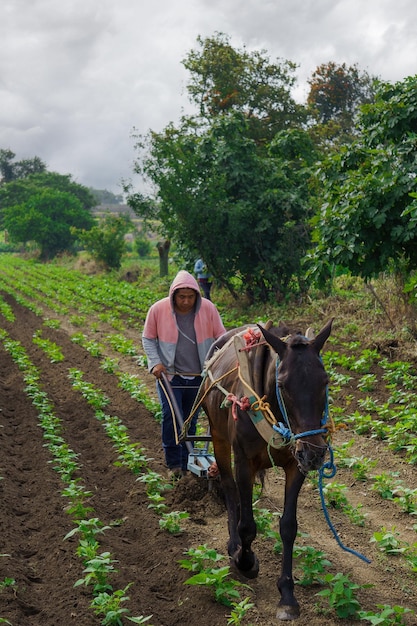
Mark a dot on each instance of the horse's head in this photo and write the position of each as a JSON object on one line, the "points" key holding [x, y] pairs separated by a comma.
{"points": [[301, 383]]}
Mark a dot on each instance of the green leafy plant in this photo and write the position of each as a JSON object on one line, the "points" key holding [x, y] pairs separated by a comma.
{"points": [[388, 541], [312, 563], [51, 349], [172, 521], [199, 558], [388, 615], [7, 582], [109, 605], [335, 494], [226, 590], [383, 484], [341, 595], [96, 573], [239, 611]]}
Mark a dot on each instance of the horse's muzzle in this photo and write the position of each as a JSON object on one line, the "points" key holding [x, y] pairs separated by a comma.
{"points": [[310, 454]]}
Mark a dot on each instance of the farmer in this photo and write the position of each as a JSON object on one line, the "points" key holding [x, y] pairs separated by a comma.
{"points": [[178, 331], [203, 277]]}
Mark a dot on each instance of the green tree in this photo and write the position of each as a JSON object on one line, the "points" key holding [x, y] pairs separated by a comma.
{"points": [[245, 213], [368, 216], [225, 79], [335, 96], [232, 181], [20, 190], [12, 170], [46, 218], [105, 240]]}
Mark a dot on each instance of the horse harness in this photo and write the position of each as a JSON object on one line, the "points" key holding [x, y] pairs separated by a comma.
{"points": [[276, 434]]}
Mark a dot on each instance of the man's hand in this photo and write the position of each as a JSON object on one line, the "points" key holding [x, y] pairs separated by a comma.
{"points": [[158, 370]]}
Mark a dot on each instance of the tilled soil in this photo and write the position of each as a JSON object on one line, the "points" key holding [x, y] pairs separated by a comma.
{"points": [[34, 520]]}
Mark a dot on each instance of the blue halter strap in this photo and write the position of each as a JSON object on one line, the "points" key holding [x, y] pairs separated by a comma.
{"points": [[284, 429]]}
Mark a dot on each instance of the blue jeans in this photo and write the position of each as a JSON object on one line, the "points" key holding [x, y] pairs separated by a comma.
{"points": [[185, 391]]}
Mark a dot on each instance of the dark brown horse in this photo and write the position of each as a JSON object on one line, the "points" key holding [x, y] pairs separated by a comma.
{"points": [[266, 404]]}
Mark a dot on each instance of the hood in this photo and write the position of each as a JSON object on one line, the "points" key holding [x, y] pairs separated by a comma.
{"points": [[185, 280]]}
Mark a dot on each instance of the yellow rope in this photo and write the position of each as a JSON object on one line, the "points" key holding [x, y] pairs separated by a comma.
{"points": [[195, 408], [260, 404]]}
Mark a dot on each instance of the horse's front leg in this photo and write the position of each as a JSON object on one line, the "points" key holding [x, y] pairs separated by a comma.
{"points": [[244, 558], [288, 607]]}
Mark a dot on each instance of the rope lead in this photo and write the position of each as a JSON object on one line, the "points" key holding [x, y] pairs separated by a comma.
{"points": [[328, 470]]}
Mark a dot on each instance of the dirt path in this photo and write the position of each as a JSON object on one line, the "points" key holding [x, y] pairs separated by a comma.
{"points": [[33, 520]]}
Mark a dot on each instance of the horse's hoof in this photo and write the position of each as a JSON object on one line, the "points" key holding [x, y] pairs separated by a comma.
{"points": [[252, 572], [287, 613]]}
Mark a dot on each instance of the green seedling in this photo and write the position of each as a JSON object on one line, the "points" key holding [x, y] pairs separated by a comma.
{"points": [[335, 494], [199, 557], [87, 549], [312, 563], [78, 320], [109, 365], [264, 524], [383, 484], [94, 348], [119, 343], [109, 605], [6, 582], [388, 615], [367, 382], [88, 529], [407, 499], [172, 521], [96, 573], [238, 613], [341, 595], [388, 541], [157, 503], [7, 311], [155, 483], [226, 590], [51, 349]]}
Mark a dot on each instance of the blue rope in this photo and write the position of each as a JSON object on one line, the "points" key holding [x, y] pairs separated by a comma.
{"points": [[285, 429], [288, 435], [328, 470]]}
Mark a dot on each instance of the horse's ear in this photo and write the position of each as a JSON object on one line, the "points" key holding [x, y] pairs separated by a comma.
{"points": [[319, 341], [310, 333], [267, 324], [275, 342]]}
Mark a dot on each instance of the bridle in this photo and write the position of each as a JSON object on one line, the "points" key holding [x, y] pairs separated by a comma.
{"points": [[284, 428]]}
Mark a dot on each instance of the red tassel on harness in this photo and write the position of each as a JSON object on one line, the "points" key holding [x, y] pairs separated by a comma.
{"points": [[243, 404], [251, 338]]}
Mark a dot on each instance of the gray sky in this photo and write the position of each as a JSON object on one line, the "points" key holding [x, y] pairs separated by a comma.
{"points": [[77, 76]]}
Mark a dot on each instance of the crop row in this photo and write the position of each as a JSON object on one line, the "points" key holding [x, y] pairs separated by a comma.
{"points": [[100, 566], [391, 421]]}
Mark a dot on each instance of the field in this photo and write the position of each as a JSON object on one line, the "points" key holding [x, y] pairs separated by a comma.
{"points": [[71, 350]]}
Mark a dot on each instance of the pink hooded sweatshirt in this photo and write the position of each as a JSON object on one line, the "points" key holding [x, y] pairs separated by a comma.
{"points": [[160, 333]]}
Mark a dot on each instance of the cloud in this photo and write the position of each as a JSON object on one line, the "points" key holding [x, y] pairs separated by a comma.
{"points": [[77, 77]]}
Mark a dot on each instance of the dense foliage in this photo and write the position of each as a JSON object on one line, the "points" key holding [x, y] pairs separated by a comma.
{"points": [[231, 181], [335, 96], [10, 169], [46, 218], [42, 208], [105, 240], [368, 215]]}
